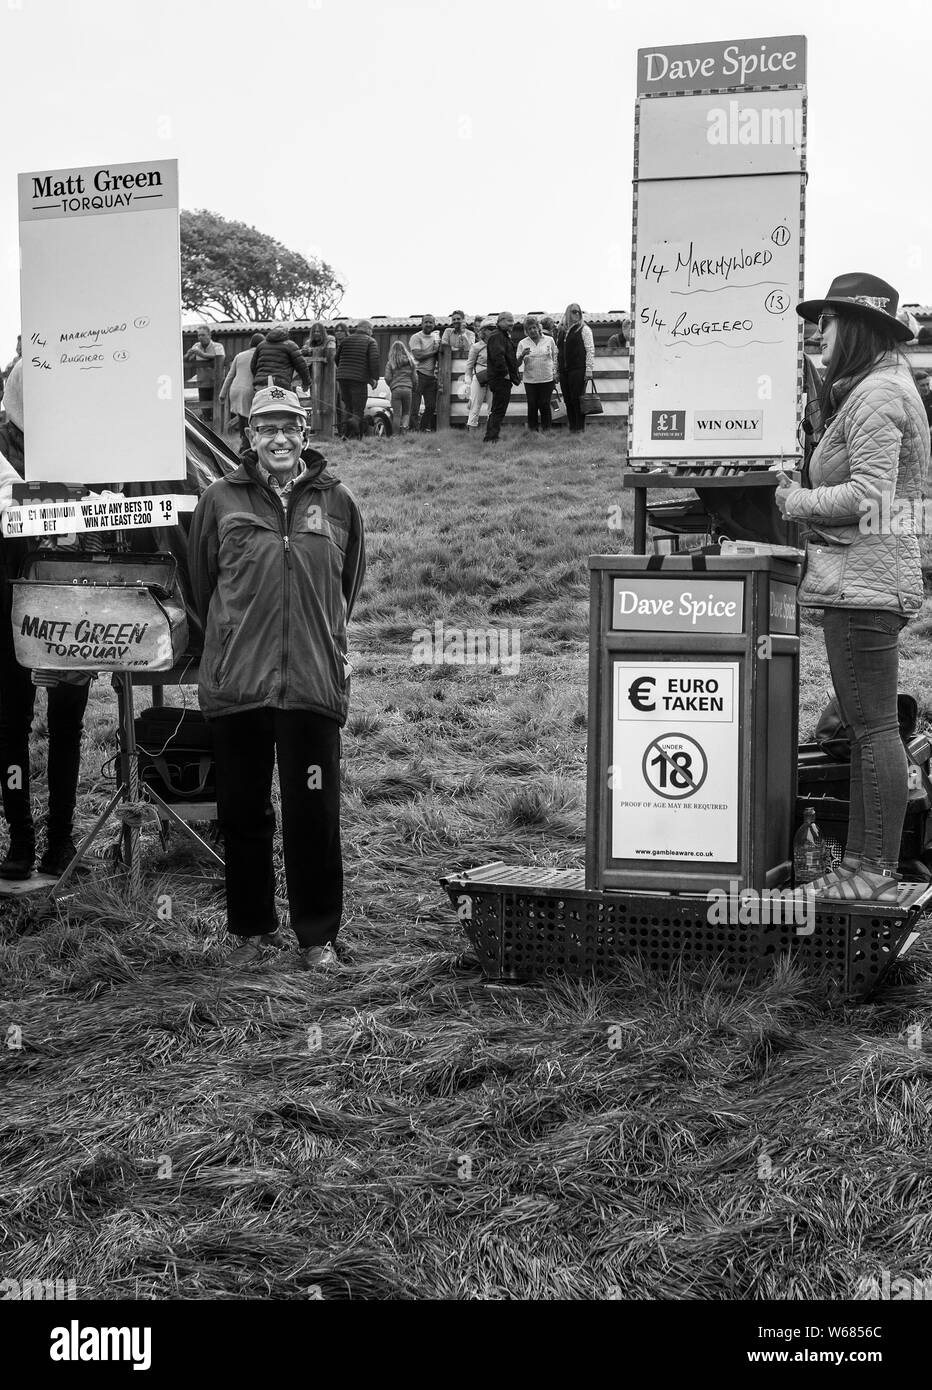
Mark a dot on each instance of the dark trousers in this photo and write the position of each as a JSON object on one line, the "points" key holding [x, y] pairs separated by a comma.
{"points": [[354, 395], [66, 705], [538, 403], [572, 384], [863, 653], [308, 750], [425, 389], [205, 397], [500, 388]]}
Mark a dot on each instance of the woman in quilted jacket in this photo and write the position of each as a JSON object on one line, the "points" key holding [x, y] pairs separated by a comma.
{"points": [[862, 510]]}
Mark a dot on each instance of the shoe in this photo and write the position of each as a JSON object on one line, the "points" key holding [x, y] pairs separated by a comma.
{"points": [[866, 886], [19, 860], [316, 957], [829, 880], [252, 949], [58, 855]]}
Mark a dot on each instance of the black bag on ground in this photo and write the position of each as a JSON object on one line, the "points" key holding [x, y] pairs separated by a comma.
{"points": [[832, 733], [176, 754]]}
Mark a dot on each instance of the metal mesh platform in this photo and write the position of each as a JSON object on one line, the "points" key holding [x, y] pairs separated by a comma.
{"points": [[524, 922]]}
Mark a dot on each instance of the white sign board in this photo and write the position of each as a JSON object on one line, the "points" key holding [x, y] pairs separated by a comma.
{"points": [[674, 772], [103, 513], [717, 271], [103, 395]]}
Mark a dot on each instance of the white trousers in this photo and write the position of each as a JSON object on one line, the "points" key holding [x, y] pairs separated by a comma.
{"points": [[478, 397]]}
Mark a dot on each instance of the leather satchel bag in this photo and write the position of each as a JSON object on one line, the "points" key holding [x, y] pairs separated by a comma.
{"points": [[589, 402]]}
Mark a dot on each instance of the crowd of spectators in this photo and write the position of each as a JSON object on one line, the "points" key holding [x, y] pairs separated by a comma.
{"points": [[553, 359]]}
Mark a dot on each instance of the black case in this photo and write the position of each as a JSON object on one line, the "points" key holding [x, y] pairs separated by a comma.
{"points": [[176, 754]]}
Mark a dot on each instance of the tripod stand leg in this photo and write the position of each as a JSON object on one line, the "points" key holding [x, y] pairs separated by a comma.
{"points": [[88, 840], [182, 824], [129, 772]]}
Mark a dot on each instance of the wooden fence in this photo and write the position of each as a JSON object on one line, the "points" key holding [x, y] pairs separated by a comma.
{"points": [[611, 381]]}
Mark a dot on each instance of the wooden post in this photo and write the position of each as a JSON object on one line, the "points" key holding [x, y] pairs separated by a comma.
{"points": [[325, 389], [218, 406], [444, 379]]}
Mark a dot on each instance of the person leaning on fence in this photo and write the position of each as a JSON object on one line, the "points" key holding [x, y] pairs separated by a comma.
{"points": [[503, 373], [400, 371], [357, 371], [209, 360], [863, 563], [319, 349], [277, 559], [424, 347], [476, 376], [67, 693], [238, 386], [277, 356], [576, 360], [537, 357], [458, 338]]}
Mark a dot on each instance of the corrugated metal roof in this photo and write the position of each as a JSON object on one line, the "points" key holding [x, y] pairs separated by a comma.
{"points": [[382, 321], [613, 318]]}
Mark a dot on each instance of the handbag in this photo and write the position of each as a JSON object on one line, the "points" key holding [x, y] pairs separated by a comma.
{"points": [[589, 402], [557, 408]]}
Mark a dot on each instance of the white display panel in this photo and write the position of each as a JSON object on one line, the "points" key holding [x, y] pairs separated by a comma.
{"points": [[103, 393], [721, 135], [715, 368]]}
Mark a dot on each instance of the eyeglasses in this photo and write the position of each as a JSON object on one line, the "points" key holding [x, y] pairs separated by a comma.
{"points": [[271, 431], [823, 320]]}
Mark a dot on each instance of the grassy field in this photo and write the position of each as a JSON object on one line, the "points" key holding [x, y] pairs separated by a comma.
{"points": [[172, 1128]]}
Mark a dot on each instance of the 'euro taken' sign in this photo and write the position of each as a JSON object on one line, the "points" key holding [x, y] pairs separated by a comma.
{"points": [[668, 605]]}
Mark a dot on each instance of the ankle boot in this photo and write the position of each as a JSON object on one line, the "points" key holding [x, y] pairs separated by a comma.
{"points": [[20, 856], [59, 852]]}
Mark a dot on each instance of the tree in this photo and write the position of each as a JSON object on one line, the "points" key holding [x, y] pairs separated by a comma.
{"points": [[232, 271]]}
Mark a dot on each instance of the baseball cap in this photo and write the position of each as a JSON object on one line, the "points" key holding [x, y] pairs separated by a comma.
{"points": [[275, 400]]}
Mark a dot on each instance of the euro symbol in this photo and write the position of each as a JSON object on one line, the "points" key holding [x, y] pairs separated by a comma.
{"points": [[638, 692]]}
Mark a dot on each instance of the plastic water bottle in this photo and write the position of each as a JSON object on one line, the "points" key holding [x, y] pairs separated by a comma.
{"points": [[808, 850]]}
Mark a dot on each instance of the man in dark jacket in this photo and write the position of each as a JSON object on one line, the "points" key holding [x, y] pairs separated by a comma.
{"points": [[357, 369], [67, 701], [277, 559], [278, 357], [503, 374]]}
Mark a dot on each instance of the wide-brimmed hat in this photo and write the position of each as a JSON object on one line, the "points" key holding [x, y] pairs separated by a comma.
{"points": [[275, 400], [866, 295]]}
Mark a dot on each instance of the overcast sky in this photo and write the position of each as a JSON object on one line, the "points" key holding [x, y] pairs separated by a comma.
{"points": [[474, 154]]}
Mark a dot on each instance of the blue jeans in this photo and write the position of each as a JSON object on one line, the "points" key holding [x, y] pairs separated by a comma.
{"points": [[863, 649]]}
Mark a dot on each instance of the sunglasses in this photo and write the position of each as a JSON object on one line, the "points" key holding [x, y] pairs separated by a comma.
{"points": [[824, 319]]}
